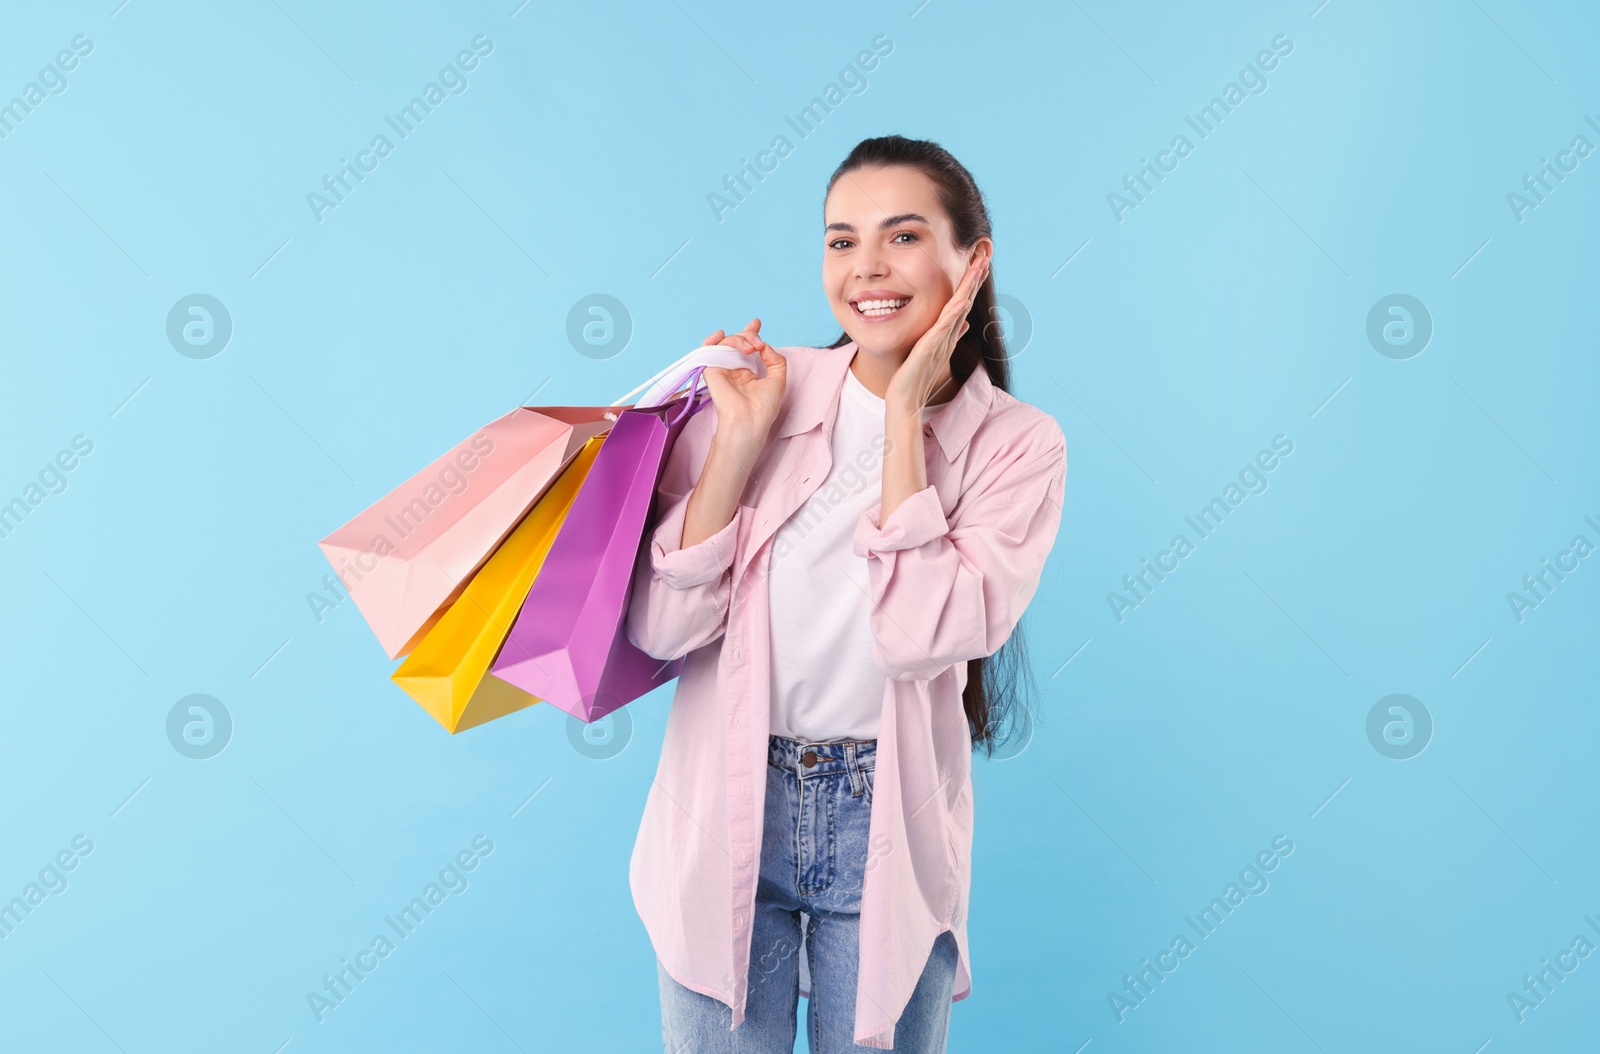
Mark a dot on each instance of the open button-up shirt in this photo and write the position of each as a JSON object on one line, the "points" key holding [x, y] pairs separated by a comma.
{"points": [[950, 573]]}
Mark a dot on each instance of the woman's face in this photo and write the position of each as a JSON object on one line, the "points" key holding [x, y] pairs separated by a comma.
{"points": [[889, 258]]}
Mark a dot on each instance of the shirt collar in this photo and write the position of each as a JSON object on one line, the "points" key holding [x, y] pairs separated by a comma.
{"points": [[817, 400]]}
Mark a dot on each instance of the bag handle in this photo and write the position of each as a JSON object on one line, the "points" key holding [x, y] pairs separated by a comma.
{"points": [[656, 390], [657, 376], [699, 397]]}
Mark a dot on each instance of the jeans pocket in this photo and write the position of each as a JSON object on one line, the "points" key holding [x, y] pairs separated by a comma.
{"points": [[867, 775]]}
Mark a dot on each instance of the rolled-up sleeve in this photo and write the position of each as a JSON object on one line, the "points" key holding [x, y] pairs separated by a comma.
{"points": [[680, 593], [945, 591], [703, 562]]}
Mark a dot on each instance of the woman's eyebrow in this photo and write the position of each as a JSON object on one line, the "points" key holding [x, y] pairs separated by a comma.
{"points": [[904, 217]]}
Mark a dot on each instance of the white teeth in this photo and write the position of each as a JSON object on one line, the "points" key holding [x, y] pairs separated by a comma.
{"points": [[881, 307]]}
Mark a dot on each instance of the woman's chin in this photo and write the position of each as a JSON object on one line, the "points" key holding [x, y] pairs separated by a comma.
{"points": [[874, 343]]}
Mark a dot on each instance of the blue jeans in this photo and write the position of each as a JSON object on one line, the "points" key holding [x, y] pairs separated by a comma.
{"points": [[813, 859]]}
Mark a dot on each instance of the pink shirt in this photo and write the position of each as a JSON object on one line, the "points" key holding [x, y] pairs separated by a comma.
{"points": [[950, 573]]}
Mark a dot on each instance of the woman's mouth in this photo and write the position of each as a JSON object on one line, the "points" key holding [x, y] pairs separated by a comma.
{"points": [[879, 310]]}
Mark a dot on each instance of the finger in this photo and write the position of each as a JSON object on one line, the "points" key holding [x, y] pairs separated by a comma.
{"points": [[957, 327], [956, 310], [713, 340], [965, 293], [974, 277], [979, 270]]}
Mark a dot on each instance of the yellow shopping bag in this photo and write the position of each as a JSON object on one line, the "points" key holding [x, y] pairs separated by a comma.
{"points": [[446, 671]]}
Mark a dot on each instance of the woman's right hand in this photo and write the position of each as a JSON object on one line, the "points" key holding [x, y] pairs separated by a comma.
{"points": [[743, 400]]}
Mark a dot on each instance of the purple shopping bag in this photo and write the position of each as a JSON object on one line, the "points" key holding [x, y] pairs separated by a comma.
{"points": [[569, 645]]}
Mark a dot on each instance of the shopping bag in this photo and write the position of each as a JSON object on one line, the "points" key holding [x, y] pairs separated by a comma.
{"points": [[404, 559], [569, 645], [446, 672]]}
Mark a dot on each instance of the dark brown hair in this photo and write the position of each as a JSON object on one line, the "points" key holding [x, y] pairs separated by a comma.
{"points": [[991, 694]]}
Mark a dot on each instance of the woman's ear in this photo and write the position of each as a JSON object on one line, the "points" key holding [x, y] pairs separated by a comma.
{"points": [[982, 247]]}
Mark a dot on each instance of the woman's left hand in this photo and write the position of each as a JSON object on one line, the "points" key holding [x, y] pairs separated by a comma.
{"points": [[922, 372]]}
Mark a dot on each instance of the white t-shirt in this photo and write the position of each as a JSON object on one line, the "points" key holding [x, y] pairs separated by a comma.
{"points": [[825, 685]]}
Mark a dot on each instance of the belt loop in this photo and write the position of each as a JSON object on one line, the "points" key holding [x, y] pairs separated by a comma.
{"points": [[850, 767]]}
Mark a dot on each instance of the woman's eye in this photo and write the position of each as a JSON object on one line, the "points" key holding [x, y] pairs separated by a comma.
{"points": [[906, 234], [838, 243]]}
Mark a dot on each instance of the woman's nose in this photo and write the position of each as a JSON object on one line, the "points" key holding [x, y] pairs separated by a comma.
{"points": [[869, 265]]}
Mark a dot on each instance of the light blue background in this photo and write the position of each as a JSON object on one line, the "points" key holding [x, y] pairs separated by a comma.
{"points": [[1229, 307]]}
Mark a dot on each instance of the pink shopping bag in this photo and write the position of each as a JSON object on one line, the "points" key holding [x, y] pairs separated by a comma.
{"points": [[411, 554], [569, 645]]}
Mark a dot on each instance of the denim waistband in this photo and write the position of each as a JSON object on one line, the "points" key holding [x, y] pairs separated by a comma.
{"points": [[791, 754]]}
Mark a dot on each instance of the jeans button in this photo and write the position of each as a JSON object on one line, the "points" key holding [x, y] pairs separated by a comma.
{"points": [[809, 758]]}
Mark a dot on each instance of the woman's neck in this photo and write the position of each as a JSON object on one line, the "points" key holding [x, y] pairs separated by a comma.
{"points": [[875, 371]]}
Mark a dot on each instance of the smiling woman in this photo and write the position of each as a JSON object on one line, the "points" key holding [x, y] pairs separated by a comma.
{"points": [[837, 613]]}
